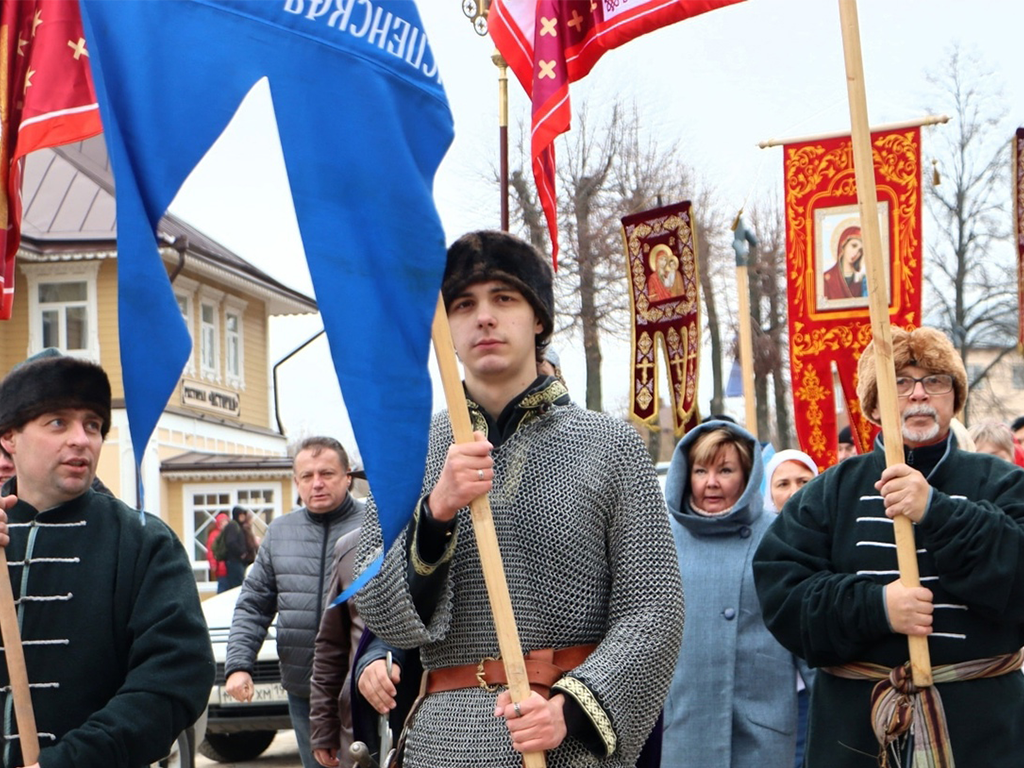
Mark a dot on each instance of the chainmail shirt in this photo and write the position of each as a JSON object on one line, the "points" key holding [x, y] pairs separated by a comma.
{"points": [[589, 558]]}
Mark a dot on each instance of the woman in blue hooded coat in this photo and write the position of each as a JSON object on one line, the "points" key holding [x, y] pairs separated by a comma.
{"points": [[732, 703]]}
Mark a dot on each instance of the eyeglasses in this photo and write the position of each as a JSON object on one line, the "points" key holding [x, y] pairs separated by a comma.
{"points": [[934, 384]]}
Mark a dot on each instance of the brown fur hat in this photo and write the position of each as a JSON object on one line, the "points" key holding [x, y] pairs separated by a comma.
{"points": [[51, 383], [478, 257], [925, 348]]}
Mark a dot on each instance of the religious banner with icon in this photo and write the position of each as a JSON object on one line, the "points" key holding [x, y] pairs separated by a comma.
{"points": [[829, 322], [1018, 227], [661, 263]]}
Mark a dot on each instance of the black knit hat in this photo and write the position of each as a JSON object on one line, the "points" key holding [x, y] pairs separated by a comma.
{"points": [[49, 384], [488, 255]]}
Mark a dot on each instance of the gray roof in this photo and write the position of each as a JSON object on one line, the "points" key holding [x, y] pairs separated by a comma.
{"points": [[197, 461], [69, 213]]}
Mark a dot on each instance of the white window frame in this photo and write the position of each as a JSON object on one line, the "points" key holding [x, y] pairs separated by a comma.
{"points": [[233, 492], [79, 272], [234, 307], [185, 291], [209, 297]]}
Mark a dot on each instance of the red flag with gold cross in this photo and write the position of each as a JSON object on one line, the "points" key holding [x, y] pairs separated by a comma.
{"points": [[551, 43]]}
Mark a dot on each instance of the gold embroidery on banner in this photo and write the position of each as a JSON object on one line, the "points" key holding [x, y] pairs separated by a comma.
{"points": [[594, 711], [671, 229], [814, 174], [819, 175]]}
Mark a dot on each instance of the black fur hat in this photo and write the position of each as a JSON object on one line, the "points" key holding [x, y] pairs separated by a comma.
{"points": [[489, 255], [53, 383]]}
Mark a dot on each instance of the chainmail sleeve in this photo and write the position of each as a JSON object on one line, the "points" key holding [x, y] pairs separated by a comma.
{"points": [[387, 602], [589, 559], [622, 685]]}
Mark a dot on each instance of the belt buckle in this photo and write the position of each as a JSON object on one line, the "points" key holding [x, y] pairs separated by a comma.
{"points": [[481, 680]]}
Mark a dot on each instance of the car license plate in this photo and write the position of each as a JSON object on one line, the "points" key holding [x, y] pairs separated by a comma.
{"points": [[264, 693]]}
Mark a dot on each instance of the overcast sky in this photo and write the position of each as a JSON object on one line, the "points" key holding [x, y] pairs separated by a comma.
{"points": [[717, 84]]}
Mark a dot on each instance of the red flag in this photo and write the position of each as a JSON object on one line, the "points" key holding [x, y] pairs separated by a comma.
{"points": [[551, 43], [46, 99]]}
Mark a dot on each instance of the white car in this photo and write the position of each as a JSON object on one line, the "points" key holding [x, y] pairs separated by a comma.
{"points": [[239, 731]]}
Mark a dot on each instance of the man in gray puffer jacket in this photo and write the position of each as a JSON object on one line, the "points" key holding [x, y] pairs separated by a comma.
{"points": [[290, 578]]}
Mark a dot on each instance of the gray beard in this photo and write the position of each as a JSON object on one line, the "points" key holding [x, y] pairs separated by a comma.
{"points": [[922, 434]]}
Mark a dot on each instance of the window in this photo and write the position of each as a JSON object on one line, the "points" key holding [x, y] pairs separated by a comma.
{"points": [[64, 311], [232, 346], [1018, 375], [209, 332], [208, 350], [259, 501], [234, 341], [206, 502], [974, 370], [63, 308], [184, 290]]}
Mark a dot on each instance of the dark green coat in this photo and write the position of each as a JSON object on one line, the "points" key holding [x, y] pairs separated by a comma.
{"points": [[820, 572], [117, 650]]}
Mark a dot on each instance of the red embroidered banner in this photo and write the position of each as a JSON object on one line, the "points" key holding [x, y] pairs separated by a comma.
{"points": [[1018, 219], [661, 259], [46, 99], [829, 322], [551, 43]]}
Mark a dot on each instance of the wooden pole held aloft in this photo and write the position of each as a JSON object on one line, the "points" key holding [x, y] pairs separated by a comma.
{"points": [[878, 305], [17, 672], [746, 350], [483, 526]]}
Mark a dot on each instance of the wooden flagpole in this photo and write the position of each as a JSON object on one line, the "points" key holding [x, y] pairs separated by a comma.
{"points": [[916, 123], [483, 526], [878, 304], [499, 62], [746, 349], [17, 672]]}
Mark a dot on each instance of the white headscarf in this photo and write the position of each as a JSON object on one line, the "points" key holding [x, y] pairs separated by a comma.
{"points": [[780, 458]]}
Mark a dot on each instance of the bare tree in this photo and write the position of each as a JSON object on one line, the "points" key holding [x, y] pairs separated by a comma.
{"points": [[970, 270], [606, 170], [769, 317], [717, 279]]}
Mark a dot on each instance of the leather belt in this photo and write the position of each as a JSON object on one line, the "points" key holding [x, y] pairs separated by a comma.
{"points": [[544, 668]]}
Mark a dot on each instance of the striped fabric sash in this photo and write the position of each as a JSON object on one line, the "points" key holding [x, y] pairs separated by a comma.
{"points": [[898, 706]]}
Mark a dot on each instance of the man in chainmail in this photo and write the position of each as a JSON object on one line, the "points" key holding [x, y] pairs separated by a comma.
{"points": [[584, 536]]}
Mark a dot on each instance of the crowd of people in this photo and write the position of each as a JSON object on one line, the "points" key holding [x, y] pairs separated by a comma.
{"points": [[792, 648]]}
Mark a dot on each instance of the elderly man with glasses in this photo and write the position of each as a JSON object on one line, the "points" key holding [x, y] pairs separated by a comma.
{"points": [[828, 581]]}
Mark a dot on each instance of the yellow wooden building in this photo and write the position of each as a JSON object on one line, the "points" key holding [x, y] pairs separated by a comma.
{"points": [[217, 443]]}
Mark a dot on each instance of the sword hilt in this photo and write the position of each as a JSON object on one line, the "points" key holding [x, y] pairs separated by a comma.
{"points": [[361, 754]]}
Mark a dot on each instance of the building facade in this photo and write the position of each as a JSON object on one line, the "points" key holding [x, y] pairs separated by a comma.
{"points": [[217, 443]]}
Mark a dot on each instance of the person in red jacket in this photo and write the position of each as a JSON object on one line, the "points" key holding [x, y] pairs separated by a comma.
{"points": [[218, 568]]}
